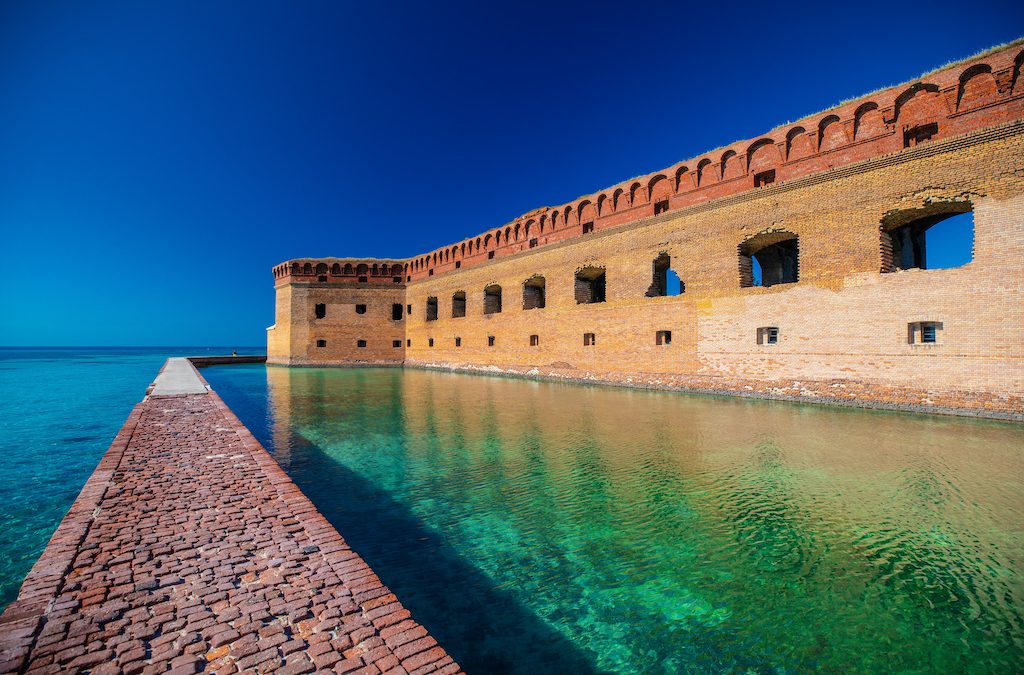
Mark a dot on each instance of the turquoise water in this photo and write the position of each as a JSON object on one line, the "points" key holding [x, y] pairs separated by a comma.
{"points": [[542, 527], [59, 410]]}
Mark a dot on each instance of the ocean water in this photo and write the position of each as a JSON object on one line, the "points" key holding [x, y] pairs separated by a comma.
{"points": [[543, 527], [59, 410]]}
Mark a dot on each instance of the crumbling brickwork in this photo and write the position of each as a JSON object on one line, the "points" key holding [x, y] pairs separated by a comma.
{"points": [[833, 208]]}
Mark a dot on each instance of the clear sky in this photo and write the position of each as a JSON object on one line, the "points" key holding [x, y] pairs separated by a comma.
{"points": [[157, 158]]}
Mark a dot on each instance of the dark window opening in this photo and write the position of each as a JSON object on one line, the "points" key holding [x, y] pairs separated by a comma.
{"points": [[360, 309], [408, 310], [589, 339], [924, 332], [397, 280], [660, 207], [431, 309], [768, 335], [360, 343], [590, 285], [458, 264], [533, 243], [321, 278], [664, 280], [764, 178], [408, 343], [588, 228], [770, 258], [362, 280], [936, 237], [458, 342], [534, 293], [919, 134], [396, 312], [492, 299], [430, 342], [321, 343], [490, 255], [459, 305], [490, 340], [663, 337], [534, 340], [396, 344], [409, 278], [321, 310], [430, 273]]}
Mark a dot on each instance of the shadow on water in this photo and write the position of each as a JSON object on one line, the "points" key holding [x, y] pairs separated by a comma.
{"points": [[482, 626]]}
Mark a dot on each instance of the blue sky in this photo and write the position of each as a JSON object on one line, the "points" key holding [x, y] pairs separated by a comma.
{"points": [[157, 158]]}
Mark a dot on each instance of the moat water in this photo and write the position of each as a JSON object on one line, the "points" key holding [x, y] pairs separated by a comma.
{"points": [[541, 527]]}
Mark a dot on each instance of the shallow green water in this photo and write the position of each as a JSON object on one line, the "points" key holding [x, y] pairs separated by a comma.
{"points": [[537, 527]]}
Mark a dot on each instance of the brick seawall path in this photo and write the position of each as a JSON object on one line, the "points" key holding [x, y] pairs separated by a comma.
{"points": [[189, 549]]}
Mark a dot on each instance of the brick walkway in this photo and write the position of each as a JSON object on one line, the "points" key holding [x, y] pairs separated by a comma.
{"points": [[189, 549]]}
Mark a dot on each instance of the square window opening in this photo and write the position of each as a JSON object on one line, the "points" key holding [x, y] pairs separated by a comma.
{"points": [[768, 335], [764, 178]]}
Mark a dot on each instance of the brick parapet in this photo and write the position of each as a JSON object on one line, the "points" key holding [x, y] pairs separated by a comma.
{"points": [[250, 575]]}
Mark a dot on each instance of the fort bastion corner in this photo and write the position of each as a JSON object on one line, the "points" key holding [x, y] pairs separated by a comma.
{"points": [[834, 210]]}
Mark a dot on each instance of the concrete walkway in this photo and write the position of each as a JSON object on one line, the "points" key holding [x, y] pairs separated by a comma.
{"points": [[178, 377], [189, 550]]}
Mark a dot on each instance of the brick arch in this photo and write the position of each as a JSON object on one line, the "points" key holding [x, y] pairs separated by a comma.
{"points": [[681, 179], [619, 199], [867, 121], [977, 87], [762, 155], [659, 188], [602, 205], [798, 144], [586, 212], [487, 241], [731, 165], [542, 222], [529, 228], [920, 102], [831, 134], [637, 194], [705, 173], [307, 268], [567, 216], [336, 268], [321, 268], [508, 233]]}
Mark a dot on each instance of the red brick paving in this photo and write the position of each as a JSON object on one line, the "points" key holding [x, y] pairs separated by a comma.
{"points": [[189, 550]]}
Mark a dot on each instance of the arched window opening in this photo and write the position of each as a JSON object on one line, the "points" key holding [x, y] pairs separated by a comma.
{"points": [[664, 280], [591, 285], [939, 236], [769, 258], [459, 304], [431, 309], [534, 292], [493, 299]]}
